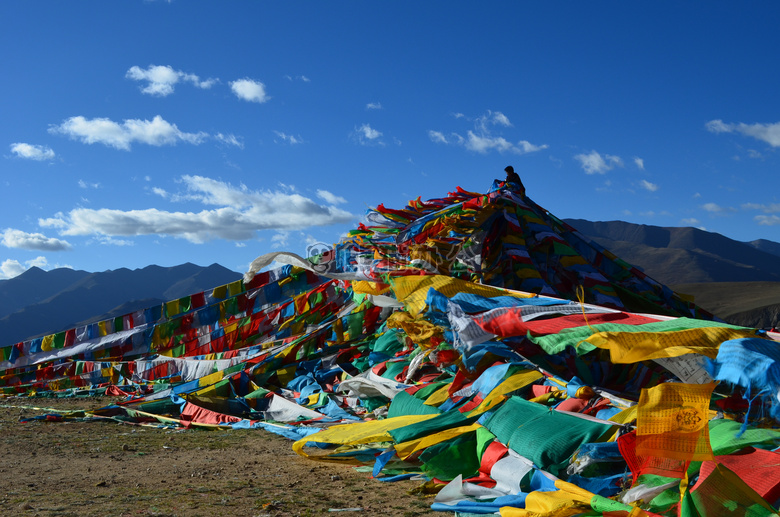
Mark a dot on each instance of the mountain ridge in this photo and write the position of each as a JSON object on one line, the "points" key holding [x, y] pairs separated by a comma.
{"points": [[737, 281], [684, 255], [88, 296]]}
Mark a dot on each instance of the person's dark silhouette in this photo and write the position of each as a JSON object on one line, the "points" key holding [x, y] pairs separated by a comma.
{"points": [[513, 180]]}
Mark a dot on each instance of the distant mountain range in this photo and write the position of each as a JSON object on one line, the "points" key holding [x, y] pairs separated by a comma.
{"points": [[685, 255], [38, 302], [738, 281]]}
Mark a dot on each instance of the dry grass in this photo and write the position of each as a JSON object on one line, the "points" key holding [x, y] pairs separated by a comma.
{"points": [[94, 468]]}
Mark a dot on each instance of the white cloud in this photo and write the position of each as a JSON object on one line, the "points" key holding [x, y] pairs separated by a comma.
{"points": [[366, 135], [692, 221], [485, 143], [482, 138], [594, 163], [84, 184], [18, 239], [368, 132], [238, 214], [12, 268], [203, 85], [767, 220], [769, 133], [290, 139], [250, 90], [524, 146], [230, 139], [280, 240], [56, 222], [652, 187], [715, 208], [491, 118], [161, 80], [110, 241], [374, 106], [437, 137], [771, 208], [328, 197], [607, 187], [500, 119], [40, 262], [640, 163], [32, 152], [717, 126], [104, 131], [310, 240], [160, 192]]}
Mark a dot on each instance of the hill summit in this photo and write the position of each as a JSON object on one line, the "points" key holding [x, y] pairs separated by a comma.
{"points": [[502, 239]]}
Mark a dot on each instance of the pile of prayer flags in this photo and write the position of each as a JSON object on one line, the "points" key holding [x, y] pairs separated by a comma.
{"points": [[474, 342]]}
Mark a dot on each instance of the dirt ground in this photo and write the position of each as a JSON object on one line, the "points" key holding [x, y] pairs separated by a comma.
{"points": [[104, 468]]}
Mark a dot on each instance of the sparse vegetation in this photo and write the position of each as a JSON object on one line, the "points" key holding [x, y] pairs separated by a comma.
{"points": [[94, 468]]}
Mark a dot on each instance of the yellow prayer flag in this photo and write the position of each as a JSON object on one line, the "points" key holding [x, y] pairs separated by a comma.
{"points": [[219, 292], [235, 288], [210, 379], [286, 374], [626, 416], [412, 290], [439, 397], [672, 421], [47, 343], [172, 308], [632, 347], [567, 501], [420, 330], [157, 341], [366, 287], [406, 449], [360, 433]]}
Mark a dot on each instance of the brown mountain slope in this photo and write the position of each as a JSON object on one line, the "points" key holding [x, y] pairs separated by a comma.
{"points": [[752, 304], [684, 255]]}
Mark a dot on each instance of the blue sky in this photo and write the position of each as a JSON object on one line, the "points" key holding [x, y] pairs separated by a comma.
{"points": [[154, 132]]}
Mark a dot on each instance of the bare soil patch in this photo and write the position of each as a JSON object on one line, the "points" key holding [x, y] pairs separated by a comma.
{"points": [[105, 468]]}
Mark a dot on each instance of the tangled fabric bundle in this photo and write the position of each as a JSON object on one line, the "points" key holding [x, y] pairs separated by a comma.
{"points": [[473, 341]]}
